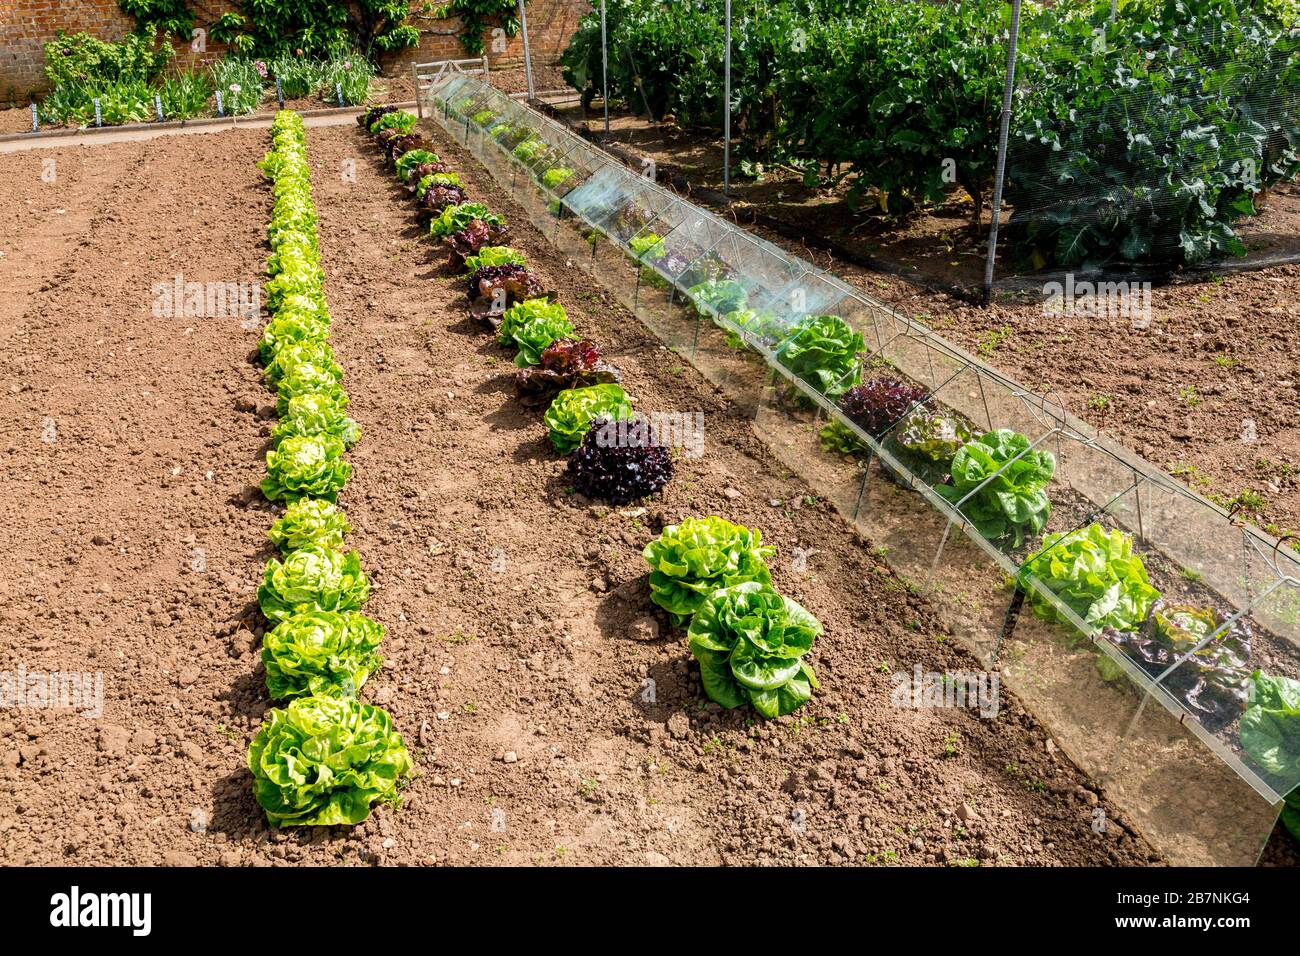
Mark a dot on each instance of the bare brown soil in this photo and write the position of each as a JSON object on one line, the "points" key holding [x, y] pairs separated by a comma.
{"points": [[1210, 391], [517, 614]]}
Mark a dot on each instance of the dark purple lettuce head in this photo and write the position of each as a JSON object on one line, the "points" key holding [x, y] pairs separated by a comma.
{"points": [[371, 115], [880, 403], [503, 286], [470, 240], [438, 198], [395, 146], [427, 169], [620, 462]]}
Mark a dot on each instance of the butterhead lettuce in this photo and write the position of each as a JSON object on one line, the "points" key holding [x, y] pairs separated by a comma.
{"points": [[324, 761]]}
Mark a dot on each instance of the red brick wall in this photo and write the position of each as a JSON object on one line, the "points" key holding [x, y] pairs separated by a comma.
{"points": [[25, 25]]}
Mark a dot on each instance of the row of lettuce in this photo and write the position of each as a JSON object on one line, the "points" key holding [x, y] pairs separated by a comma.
{"points": [[710, 575], [998, 479], [326, 757]]}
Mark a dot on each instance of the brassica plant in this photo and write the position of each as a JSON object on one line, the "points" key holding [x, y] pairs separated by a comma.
{"points": [[312, 578], [306, 466], [999, 481], [309, 521], [750, 642], [321, 652], [690, 561], [571, 413], [823, 351], [323, 761], [1094, 573]]}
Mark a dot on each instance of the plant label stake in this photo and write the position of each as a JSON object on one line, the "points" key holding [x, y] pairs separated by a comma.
{"points": [[279, 92], [36, 119], [99, 117], [221, 110], [157, 102], [338, 88]]}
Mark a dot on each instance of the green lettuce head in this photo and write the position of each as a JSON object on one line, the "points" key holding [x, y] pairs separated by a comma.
{"points": [[493, 256], [531, 326], [310, 521], [574, 409], [750, 642], [456, 217], [1094, 573], [290, 326], [1010, 478], [1270, 727], [933, 433], [690, 561], [312, 579], [323, 761], [306, 378], [316, 414], [320, 653], [317, 352], [823, 351], [306, 466]]}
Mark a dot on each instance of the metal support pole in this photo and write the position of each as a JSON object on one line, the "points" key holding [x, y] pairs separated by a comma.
{"points": [[1002, 150], [604, 65], [528, 56], [415, 85], [726, 103]]}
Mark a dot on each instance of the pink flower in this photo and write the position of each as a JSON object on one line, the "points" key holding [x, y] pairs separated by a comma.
{"points": [[347, 64], [261, 69]]}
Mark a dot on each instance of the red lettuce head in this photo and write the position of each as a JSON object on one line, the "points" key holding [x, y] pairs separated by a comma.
{"points": [[620, 462]]}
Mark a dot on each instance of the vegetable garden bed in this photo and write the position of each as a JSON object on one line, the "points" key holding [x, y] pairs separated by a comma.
{"points": [[519, 690], [733, 305]]}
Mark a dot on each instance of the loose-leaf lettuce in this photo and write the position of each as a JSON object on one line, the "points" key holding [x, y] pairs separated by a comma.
{"points": [[1094, 573], [1211, 680], [321, 652], [823, 351], [1002, 480], [1270, 727], [323, 761], [750, 642], [312, 579], [574, 409], [531, 326], [494, 256], [310, 521], [690, 561], [318, 414], [455, 218], [306, 466], [412, 158]]}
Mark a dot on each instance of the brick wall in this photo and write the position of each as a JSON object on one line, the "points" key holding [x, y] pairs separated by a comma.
{"points": [[25, 26]]}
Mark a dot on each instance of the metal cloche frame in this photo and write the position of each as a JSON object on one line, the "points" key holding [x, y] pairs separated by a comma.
{"points": [[673, 252]]}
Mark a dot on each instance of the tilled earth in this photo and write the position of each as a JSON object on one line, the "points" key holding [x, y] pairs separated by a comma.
{"points": [[554, 716]]}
